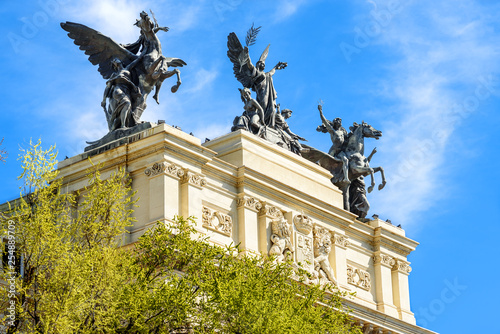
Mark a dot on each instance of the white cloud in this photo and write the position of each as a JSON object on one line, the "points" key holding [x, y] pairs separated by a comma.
{"points": [[203, 79], [287, 8]]}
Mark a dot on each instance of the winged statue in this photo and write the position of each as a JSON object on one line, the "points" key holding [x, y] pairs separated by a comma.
{"points": [[254, 77], [131, 71]]}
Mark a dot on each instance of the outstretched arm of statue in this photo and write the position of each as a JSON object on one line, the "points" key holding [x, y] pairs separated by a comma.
{"points": [[165, 29], [324, 120]]}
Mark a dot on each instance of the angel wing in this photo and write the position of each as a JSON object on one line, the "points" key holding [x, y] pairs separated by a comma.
{"points": [[239, 59], [175, 62], [325, 160], [100, 49]]}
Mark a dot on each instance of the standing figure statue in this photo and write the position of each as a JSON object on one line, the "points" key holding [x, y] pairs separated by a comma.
{"points": [[339, 137], [121, 91], [254, 77], [131, 76], [253, 115]]}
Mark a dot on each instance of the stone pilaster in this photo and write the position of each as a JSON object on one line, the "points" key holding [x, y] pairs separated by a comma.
{"points": [[338, 258], [382, 265], [248, 209], [163, 180], [191, 195], [400, 289]]}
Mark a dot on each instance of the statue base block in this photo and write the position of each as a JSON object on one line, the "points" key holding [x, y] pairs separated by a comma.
{"points": [[117, 137]]}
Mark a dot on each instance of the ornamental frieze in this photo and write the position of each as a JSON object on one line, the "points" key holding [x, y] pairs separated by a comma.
{"points": [[402, 266], [270, 210], [341, 240], [359, 278], [384, 259], [194, 179], [164, 167], [249, 202], [217, 221]]}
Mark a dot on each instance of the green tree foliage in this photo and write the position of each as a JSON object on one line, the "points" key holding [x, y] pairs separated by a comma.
{"points": [[77, 277]]}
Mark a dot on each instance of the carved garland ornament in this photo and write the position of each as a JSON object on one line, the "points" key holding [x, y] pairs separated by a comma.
{"points": [[341, 240], [161, 167], [358, 278], [270, 210], [216, 221], [194, 179], [402, 266], [249, 202], [384, 259]]}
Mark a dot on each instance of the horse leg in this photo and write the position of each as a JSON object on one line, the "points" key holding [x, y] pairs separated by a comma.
{"points": [[364, 171], [176, 86], [381, 170], [345, 193]]}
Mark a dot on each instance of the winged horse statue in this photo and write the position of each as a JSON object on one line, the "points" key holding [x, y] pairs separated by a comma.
{"points": [[132, 71]]}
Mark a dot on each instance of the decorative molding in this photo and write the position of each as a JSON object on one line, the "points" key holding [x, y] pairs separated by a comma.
{"points": [[194, 179], [270, 210], [402, 266], [162, 167], [217, 221], [175, 170], [157, 168], [384, 259], [249, 202], [303, 223], [341, 240], [359, 278]]}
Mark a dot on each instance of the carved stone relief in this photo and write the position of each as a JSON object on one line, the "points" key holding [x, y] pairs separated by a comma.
{"points": [[194, 179], [303, 224], [161, 167], [322, 248], [270, 210], [217, 221], [402, 266], [358, 277], [281, 240], [249, 202], [341, 240], [384, 259]]}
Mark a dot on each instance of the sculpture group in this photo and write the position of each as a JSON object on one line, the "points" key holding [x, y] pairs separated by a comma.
{"points": [[133, 71]]}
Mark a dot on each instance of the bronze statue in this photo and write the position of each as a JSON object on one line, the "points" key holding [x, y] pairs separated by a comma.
{"points": [[254, 77], [131, 76], [253, 115], [353, 187]]}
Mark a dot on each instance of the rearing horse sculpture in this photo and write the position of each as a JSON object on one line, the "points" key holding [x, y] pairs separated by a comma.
{"points": [[131, 82], [358, 166]]}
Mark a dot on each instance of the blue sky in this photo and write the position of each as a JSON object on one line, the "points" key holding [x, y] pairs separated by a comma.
{"points": [[426, 73]]}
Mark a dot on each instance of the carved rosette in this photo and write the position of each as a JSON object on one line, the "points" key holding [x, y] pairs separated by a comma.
{"points": [[194, 179], [249, 203], [270, 211], [157, 168], [217, 221], [303, 224], [175, 170], [341, 240], [164, 167], [402, 266], [359, 278], [384, 259]]}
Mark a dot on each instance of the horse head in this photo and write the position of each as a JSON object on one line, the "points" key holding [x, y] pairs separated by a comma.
{"points": [[365, 130]]}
